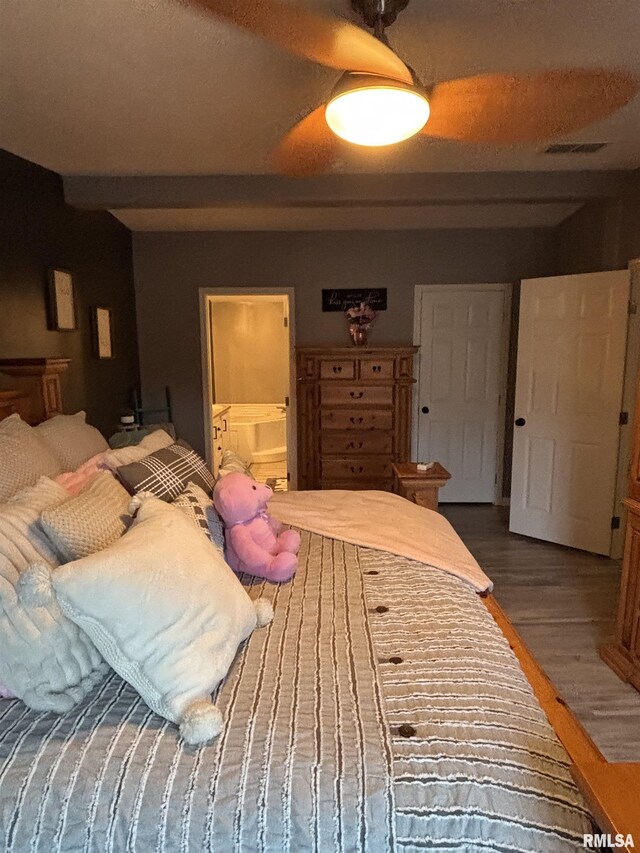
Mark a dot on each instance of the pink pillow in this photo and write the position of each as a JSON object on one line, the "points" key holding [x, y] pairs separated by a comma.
{"points": [[5, 693], [75, 481]]}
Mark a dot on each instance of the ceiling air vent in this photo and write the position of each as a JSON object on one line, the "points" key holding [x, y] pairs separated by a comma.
{"points": [[575, 148]]}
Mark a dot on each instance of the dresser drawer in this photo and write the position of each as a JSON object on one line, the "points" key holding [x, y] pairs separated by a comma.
{"points": [[349, 443], [356, 395], [338, 368], [378, 368], [353, 419], [365, 468], [355, 484]]}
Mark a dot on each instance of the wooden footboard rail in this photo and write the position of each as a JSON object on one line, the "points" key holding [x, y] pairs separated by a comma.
{"points": [[611, 790]]}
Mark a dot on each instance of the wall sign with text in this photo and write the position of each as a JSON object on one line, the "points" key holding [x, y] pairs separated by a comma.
{"points": [[340, 300]]}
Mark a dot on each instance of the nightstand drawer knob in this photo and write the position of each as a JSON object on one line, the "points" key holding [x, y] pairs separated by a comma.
{"points": [[425, 410], [356, 395]]}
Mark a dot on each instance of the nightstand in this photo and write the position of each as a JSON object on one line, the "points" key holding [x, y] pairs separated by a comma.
{"points": [[421, 487]]}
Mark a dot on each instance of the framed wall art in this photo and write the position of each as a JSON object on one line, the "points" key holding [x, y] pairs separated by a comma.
{"points": [[62, 306], [102, 326]]}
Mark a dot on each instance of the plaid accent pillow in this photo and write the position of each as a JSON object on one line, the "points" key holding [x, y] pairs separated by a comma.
{"points": [[166, 472], [198, 506]]}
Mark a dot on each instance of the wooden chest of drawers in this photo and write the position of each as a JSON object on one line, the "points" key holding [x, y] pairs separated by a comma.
{"points": [[354, 415]]}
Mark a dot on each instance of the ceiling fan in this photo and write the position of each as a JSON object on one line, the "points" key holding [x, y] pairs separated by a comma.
{"points": [[379, 100]]}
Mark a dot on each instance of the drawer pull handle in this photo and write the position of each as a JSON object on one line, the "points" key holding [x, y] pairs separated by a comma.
{"points": [[356, 395], [377, 368], [355, 470], [356, 420], [337, 369], [353, 446]]}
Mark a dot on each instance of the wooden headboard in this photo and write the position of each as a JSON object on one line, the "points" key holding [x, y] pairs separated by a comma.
{"points": [[31, 387]]}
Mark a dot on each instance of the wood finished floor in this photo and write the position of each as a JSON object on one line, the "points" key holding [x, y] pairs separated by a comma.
{"points": [[563, 603]]}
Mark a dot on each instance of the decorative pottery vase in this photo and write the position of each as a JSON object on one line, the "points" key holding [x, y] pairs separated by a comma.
{"points": [[358, 335]]}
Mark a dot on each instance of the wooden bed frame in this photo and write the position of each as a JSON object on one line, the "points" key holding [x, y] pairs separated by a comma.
{"points": [[611, 790]]}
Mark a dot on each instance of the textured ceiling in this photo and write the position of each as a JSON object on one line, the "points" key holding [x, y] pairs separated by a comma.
{"points": [[152, 87]]}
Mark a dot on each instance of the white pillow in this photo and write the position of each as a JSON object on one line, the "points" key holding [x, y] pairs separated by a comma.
{"points": [[164, 609], [45, 659], [24, 458], [157, 440], [71, 439]]}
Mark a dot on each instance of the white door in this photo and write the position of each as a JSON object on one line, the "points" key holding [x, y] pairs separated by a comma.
{"points": [[461, 339], [571, 355]]}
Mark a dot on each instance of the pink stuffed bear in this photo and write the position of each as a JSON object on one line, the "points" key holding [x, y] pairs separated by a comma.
{"points": [[256, 543]]}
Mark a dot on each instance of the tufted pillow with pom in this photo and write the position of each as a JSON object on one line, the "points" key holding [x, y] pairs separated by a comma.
{"points": [[23, 457], [45, 659], [164, 609]]}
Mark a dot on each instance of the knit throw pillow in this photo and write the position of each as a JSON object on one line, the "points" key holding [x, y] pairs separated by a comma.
{"points": [[24, 458], [71, 439], [89, 522], [166, 472], [198, 506]]}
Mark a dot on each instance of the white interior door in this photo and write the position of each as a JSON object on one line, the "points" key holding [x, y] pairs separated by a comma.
{"points": [[461, 340], [571, 356]]}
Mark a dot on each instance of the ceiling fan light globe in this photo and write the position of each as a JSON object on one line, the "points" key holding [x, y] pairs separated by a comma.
{"points": [[376, 113]]}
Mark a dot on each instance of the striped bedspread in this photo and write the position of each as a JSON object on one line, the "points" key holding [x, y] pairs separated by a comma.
{"points": [[476, 764], [303, 763], [382, 710]]}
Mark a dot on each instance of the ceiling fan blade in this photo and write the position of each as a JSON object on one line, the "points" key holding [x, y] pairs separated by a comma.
{"points": [[309, 148], [534, 107], [329, 41]]}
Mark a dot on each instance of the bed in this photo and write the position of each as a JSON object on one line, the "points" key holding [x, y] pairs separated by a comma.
{"points": [[382, 709]]}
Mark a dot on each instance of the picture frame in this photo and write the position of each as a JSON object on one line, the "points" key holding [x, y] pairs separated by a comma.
{"points": [[62, 304], [102, 328]]}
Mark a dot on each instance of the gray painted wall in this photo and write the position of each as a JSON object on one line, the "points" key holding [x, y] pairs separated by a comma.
{"points": [[604, 234], [38, 230], [171, 267]]}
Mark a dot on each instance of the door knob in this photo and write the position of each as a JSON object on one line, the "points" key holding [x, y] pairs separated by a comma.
{"points": [[425, 410], [520, 422]]}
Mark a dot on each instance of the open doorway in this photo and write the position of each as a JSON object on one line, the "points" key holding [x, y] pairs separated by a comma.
{"points": [[248, 357]]}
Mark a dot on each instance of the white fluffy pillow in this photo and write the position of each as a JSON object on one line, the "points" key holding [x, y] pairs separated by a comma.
{"points": [[164, 609], [45, 659], [71, 439]]}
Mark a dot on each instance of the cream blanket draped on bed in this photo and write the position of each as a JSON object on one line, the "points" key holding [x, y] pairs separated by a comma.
{"points": [[385, 522]]}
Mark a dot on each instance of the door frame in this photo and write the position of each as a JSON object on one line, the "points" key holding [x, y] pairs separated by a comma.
{"points": [[206, 350], [631, 370], [506, 288]]}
